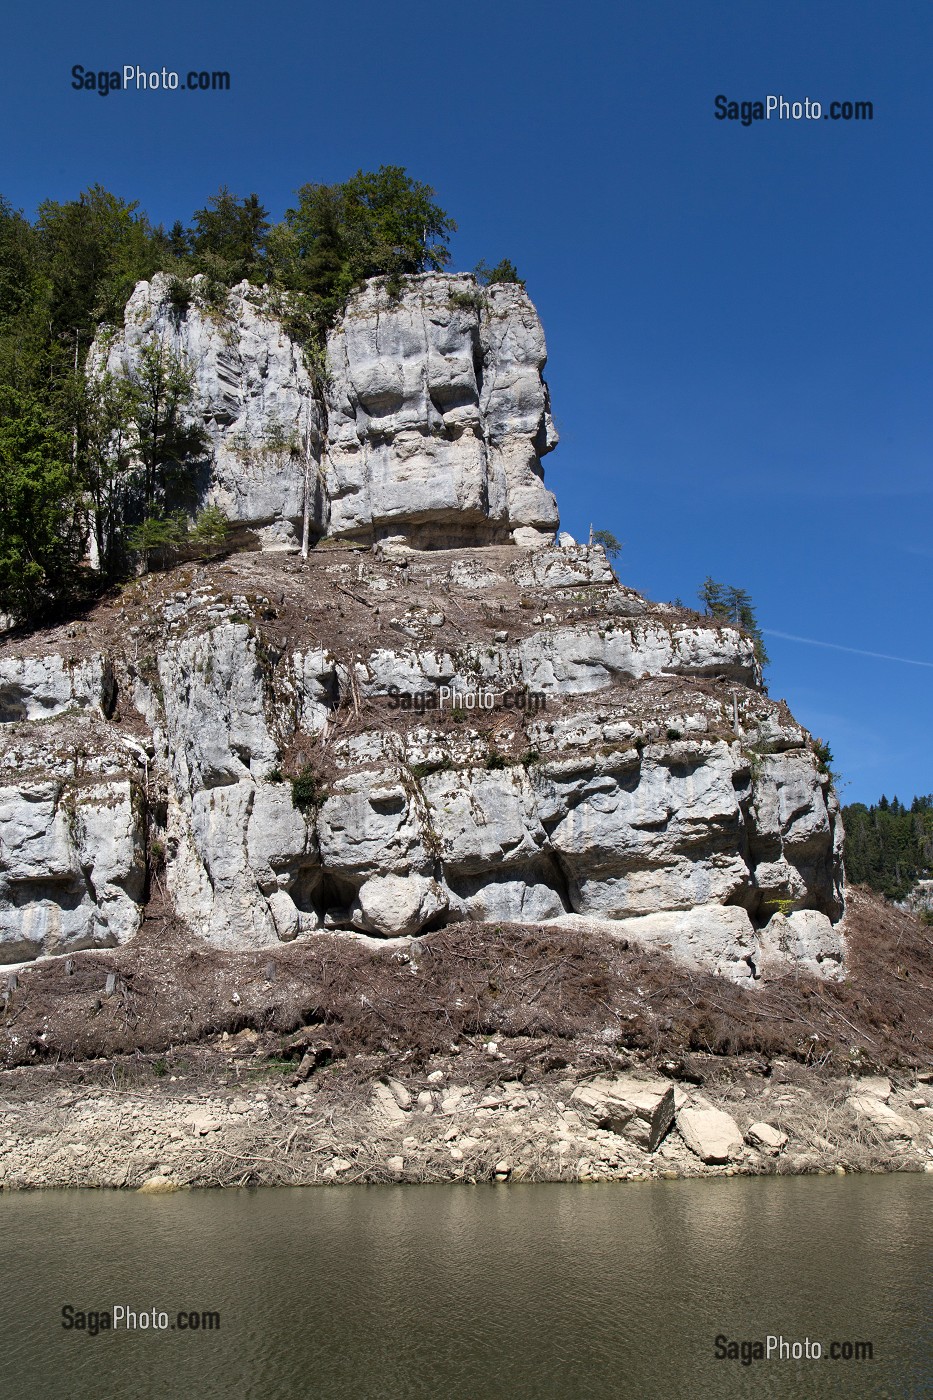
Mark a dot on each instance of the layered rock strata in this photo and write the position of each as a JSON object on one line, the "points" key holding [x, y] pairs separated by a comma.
{"points": [[277, 748], [425, 421], [382, 740]]}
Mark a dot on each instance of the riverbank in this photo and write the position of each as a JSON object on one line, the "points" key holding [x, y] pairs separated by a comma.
{"points": [[219, 1122], [474, 1053]]}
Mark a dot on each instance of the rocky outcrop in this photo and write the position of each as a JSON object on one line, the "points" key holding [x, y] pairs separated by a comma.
{"points": [[72, 838], [438, 416], [298, 756], [39, 687], [427, 428], [251, 391], [381, 740]]}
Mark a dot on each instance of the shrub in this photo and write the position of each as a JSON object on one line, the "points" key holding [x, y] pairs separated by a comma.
{"points": [[180, 295], [504, 271], [424, 770], [824, 756], [467, 300], [608, 541], [308, 791], [159, 539], [210, 530]]}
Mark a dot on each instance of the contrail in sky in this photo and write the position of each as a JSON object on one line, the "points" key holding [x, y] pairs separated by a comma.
{"points": [[854, 651]]}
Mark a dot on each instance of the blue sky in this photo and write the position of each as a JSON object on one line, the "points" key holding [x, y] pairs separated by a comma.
{"points": [[739, 318]]}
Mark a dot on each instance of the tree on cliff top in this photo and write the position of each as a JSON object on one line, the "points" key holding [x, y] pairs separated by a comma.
{"points": [[375, 224], [733, 605], [228, 238], [504, 271], [93, 251]]}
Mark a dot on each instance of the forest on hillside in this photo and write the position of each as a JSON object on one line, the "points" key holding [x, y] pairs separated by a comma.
{"points": [[889, 846]]}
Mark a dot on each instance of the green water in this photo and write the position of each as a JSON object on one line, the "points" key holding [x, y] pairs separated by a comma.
{"points": [[472, 1293]]}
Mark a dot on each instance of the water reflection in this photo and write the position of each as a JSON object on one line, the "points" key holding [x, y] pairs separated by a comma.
{"points": [[473, 1293]]}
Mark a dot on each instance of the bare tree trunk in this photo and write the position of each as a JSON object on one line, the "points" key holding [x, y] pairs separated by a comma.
{"points": [[306, 514], [74, 433]]}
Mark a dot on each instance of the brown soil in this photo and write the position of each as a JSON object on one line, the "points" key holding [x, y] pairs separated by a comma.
{"points": [[205, 1068], [585, 991]]}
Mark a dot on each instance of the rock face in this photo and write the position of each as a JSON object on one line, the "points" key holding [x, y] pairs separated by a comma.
{"points": [[72, 839], [291, 749], [438, 416], [429, 431], [385, 739], [41, 687], [251, 391]]}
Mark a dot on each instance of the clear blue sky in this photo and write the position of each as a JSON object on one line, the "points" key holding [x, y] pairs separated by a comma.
{"points": [[739, 318]]}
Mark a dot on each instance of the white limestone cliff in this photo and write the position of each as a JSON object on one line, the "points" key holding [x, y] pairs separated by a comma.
{"points": [[240, 745], [623, 796], [430, 430]]}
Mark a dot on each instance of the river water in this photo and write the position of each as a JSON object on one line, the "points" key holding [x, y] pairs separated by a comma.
{"points": [[471, 1293]]}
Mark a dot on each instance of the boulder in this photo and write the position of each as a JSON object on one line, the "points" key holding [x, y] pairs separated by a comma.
{"points": [[397, 905], [765, 1135], [157, 1185], [721, 938], [640, 1109], [710, 1133], [204, 1123], [386, 1110], [888, 1123], [399, 1092], [805, 939], [878, 1086]]}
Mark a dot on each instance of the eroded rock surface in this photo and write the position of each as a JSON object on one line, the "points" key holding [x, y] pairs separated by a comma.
{"points": [[72, 838], [252, 393], [408, 729], [430, 430], [285, 750]]}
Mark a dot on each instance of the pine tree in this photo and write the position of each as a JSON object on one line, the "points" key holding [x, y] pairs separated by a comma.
{"points": [[41, 532], [228, 238], [733, 605], [167, 436], [713, 597]]}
